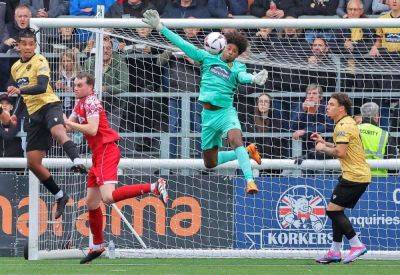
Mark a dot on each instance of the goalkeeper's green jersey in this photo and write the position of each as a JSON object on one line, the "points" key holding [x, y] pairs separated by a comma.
{"points": [[219, 79]]}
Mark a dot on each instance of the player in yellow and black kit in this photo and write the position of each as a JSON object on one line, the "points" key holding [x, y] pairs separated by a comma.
{"points": [[355, 178], [30, 77]]}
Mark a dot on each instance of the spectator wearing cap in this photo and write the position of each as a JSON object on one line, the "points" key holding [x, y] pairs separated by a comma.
{"points": [[10, 144], [376, 142]]}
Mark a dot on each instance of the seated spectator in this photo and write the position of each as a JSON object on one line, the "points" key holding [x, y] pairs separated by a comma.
{"points": [[379, 7], [64, 86], [129, 8], [22, 16], [65, 40], [88, 7], [21, 21], [45, 9], [273, 9], [319, 52], [266, 120], [309, 117], [115, 81], [388, 39], [355, 40], [185, 9], [343, 8], [227, 8], [316, 7], [10, 144]]}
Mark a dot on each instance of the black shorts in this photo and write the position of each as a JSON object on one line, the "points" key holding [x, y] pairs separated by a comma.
{"points": [[347, 193], [40, 123]]}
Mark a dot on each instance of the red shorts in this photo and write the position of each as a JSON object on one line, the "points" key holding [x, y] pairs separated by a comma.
{"points": [[104, 165]]}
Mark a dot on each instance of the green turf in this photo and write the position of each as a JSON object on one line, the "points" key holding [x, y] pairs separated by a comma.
{"points": [[194, 266]]}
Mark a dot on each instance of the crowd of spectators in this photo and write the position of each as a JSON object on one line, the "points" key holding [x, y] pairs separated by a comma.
{"points": [[158, 69]]}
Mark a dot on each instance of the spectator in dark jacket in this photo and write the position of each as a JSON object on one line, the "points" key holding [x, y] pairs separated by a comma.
{"points": [[316, 7], [129, 8], [10, 145], [21, 21], [159, 4], [11, 5], [273, 8], [227, 8], [185, 9], [44, 9], [310, 117]]}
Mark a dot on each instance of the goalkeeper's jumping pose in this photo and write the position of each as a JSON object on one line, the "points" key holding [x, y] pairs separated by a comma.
{"points": [[220, 77], [90, 118]]}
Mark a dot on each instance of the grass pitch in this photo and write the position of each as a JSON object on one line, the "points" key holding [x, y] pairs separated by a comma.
{"points": [[194, 266]]}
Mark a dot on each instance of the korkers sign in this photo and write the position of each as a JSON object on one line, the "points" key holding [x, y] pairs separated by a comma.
{"points": [[290, 213]]}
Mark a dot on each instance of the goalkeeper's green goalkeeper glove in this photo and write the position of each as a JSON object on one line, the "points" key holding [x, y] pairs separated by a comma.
{"points": [[152, 18], [260, 77]]}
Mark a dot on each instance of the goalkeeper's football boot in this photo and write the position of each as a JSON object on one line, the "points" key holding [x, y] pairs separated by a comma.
{"points": [[330, 257], [161, 190], [253, 153], [355, 252], [61, 202], [251, 187], [79, 167], [93, 254]]}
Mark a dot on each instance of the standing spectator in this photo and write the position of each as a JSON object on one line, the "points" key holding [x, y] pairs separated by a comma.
{"points": [[159, 4], [45, 8], [227, 8], [115, 81], [379, 6], [185, 9], [129, 8], [265, 120], [273, 9], [184, 76], [68, 69], [310, 117], [64, 40], [343, 7], [10, 144], [376, 142], [316, 7]]}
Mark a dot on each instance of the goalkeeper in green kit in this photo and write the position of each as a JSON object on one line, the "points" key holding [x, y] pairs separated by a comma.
{"points": [[220, 77]]}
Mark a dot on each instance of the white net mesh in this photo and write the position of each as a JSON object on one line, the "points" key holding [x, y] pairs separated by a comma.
{"points": [[150, 91]]}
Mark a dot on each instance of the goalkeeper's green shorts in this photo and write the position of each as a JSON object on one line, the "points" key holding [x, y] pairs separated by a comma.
{"points": [[215, 125]]}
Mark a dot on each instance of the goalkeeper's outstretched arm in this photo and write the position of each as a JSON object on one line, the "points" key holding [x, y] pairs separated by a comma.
{"points": [[152, 18]]}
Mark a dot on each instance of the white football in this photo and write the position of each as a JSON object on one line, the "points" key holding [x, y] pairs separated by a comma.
{"points": [[214, 42]]}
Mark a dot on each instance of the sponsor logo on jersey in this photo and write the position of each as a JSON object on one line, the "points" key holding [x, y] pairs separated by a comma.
{"points": [[220, 71], [23, 81]]}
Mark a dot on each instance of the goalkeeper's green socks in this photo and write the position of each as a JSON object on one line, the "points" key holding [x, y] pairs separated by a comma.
{"points": [[244, 162], [225, 156]]}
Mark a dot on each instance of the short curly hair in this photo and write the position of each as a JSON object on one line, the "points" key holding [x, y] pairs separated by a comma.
{"points": [[239, 39]]}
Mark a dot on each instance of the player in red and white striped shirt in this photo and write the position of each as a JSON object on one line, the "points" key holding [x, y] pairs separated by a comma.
{"points": [[90, 118]]}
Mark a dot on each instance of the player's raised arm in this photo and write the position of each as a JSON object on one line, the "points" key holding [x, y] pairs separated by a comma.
{"points": [[152, 18], [256, 78]]}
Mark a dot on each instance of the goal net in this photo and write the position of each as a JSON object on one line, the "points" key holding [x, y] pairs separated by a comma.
{"points": [[149, 89]]}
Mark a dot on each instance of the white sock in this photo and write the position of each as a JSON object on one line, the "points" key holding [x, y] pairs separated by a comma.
{"points": [[97, 246], [336, 246], [355, 242], [152, 187], [59, 195]]}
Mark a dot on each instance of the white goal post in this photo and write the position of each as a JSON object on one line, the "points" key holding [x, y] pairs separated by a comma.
{"points": [[232, 224]]}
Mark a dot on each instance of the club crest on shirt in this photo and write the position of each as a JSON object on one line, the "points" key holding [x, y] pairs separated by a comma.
{"points": [[28, 67], [220, 71]]}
